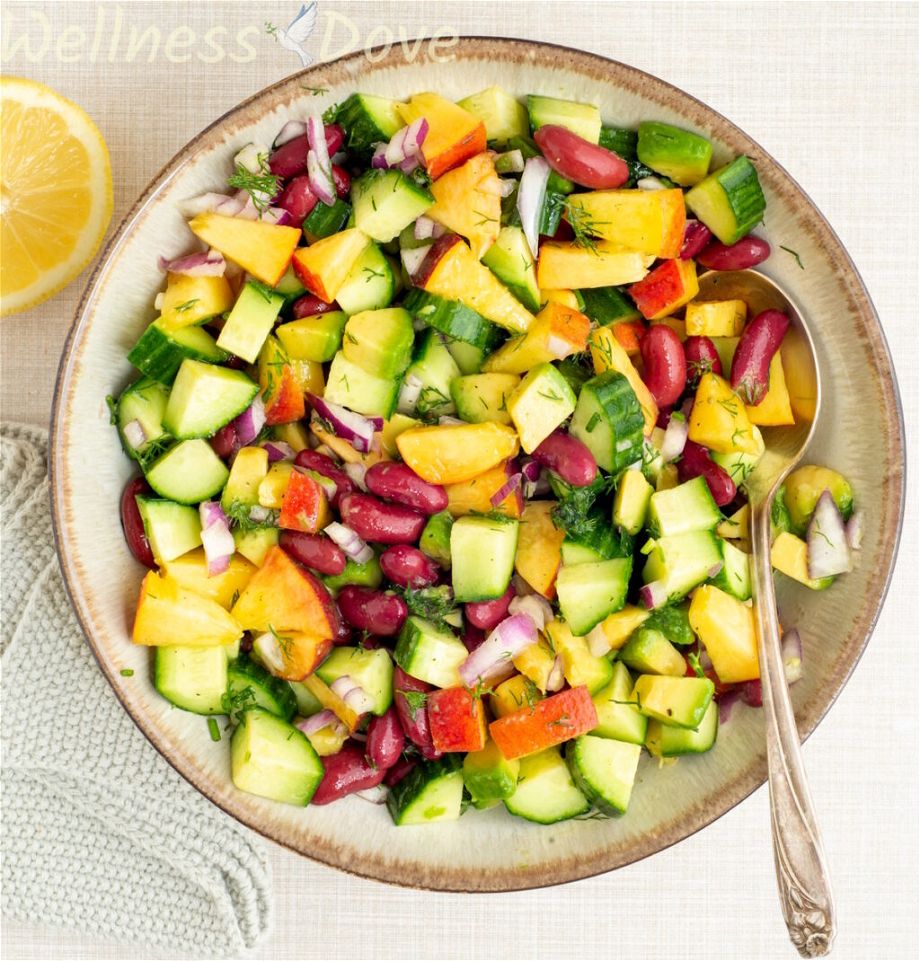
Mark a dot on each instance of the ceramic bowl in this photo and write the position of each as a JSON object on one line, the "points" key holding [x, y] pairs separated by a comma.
{"points": [[860, 434]]}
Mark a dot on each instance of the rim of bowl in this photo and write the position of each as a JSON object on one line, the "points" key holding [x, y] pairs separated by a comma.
{"points": [[594, 66]]}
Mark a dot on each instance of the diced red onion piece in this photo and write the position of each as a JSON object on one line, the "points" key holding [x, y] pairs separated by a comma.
{"points": [[349, 541], [792, 656], [356, 472], [653, 595], [509, 487], [278, 450], [493, 658], [727, 702], [345, 423], [650, 183], [412, 258], [204, 203], [216, 537], [445, 420], [828, 551], [323, 185], [534, 606], [203, 263], [424, 228], [319, 166], [675, 437], [531, 469], [135, 434], [379, 159], [242, 207], [277, 216], [714, 570], [268, 650], [556, 677], [352, 694], [291, 130], [405, 145], [855, 531], [409, 394], [530, 199], [250, 422], [316, 722]]}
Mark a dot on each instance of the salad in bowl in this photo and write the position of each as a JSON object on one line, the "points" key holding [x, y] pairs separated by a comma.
{"points": [[442, 456]]}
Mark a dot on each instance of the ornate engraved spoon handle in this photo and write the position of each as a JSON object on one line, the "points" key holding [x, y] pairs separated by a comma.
{"points": [[804, 885]]}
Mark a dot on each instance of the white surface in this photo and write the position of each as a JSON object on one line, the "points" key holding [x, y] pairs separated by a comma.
{"points": [[831, 91]]}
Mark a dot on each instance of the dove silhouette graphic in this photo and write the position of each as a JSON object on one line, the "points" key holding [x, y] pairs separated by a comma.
{"points": [[298, 31]]}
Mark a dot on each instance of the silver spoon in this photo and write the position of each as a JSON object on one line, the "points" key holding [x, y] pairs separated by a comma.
{"points": [[801, 872]]}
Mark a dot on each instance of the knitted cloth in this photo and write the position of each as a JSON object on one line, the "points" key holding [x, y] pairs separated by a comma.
{"points": [[99, 833]]}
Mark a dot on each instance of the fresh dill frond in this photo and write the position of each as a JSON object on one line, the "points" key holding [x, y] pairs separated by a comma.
{"points": [[261, 186]]}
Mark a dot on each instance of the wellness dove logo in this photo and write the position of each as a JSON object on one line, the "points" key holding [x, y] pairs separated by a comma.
{"points": [[297, 32]]}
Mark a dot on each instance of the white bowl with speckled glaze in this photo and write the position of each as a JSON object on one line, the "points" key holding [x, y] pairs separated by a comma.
{"points": [[861, 434]]}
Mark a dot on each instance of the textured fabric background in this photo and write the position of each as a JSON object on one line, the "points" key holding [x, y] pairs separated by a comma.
{"points": [[830, 89], [98, 833]]}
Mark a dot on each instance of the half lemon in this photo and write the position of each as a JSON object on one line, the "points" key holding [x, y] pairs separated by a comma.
{"points": [[55, 192]]}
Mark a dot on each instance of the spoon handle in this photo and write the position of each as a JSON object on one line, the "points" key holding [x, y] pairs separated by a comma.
{"points": [[801, 873]]}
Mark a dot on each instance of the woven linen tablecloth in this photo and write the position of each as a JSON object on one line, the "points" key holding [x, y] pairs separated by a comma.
{"points": [[99, 833], [830, 89]]}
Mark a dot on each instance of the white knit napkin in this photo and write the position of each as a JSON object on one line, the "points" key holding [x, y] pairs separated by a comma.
{"points": [[99, 834]]}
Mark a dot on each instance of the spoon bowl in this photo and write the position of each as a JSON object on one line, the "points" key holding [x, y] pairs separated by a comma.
{"points": [[801, 872]]}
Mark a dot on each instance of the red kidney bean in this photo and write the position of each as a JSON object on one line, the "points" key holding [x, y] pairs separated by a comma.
{"points": [[385, 740], [225, 443], [747, 252], [472, 636], [487, 614], [695, 462], [702, 356], [342, 181], [665, 364], [298, 198], [398, 482], [752, 693], [568, 457], [310, 306], [313, 550], [579, 160], [759, 341], [370, 610], [696, 236], [374, 520], [413, 717], [325, 465], [346, 772], [131, 522], [399, 770], [408, 566], [290, 159]]}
